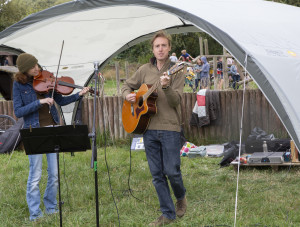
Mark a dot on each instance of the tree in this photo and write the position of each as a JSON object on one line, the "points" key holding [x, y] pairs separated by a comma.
{"points": [[15, 10], [289, 2], [11, 12]]}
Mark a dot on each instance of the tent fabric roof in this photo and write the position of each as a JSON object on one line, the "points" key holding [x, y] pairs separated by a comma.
{"points": [[264, 33]]}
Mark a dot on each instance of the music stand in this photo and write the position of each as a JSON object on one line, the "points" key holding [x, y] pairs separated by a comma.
{"points": [[45, 140]]}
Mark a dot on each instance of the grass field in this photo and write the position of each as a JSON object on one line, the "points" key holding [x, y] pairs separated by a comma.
{"points": [[266, 198]]}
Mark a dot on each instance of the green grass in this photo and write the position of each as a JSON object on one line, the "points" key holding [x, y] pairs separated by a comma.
{"points": [[110, 87], [266, 198]]}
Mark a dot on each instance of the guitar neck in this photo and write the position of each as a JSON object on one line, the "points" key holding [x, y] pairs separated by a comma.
{"points": [[170, 72], [154, 86]]}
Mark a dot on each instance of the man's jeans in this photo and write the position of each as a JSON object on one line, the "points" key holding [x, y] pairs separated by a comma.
{"points": [[33, 191], [163, 154]]}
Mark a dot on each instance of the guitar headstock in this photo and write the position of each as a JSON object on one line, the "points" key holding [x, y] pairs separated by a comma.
{"points": [[175, 68]]}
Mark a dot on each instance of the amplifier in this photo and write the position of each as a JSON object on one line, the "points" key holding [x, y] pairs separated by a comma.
{"points": [[266, 157]]}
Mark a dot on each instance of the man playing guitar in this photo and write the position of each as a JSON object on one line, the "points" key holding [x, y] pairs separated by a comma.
{"points": [[162, 137]]}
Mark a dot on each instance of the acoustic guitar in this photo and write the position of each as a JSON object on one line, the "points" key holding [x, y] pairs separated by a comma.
{"points": [[136, 117]]}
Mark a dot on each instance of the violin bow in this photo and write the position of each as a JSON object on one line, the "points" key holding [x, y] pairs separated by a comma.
{"points": [[62, 47]]}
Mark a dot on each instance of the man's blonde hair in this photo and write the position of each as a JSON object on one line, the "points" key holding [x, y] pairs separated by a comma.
{"points": [[162, 34]]}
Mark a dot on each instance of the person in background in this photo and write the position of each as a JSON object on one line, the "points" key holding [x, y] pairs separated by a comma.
{"points": [[190, 78], [162, 139], [173, 58], [197, 70], [37, 111], [185, 56], [204, 74], [229, 61], [220, 73], [6, 61], [234, 74]]}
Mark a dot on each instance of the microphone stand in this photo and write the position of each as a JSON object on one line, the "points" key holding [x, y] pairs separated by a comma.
{"points": [[94, 143]]}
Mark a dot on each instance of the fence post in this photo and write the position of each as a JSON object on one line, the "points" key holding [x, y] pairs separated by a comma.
{"points": [[225, 73], [216, 78], [117, 77], [101, 114], [120, 124], [1, 107], [126, 69], [206, 47], [201, 45], [116, 117], [111, 117]]}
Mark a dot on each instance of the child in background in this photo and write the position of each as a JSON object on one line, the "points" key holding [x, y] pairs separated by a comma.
{"points": [[173, 58], [197, 70], [185, 56], [190, 77]]}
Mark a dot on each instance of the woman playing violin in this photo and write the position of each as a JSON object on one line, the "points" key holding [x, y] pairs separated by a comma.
{"points": [[34, 108]]}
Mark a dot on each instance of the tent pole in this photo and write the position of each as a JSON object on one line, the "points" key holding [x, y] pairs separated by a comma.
{"points": [[94, 146], [240, 146]]}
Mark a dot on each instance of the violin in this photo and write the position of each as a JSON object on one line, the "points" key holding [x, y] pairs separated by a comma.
{"points": [[45, 82]]}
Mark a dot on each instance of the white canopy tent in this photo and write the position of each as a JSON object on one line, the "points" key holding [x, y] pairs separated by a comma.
{"points": [[263, 36]]}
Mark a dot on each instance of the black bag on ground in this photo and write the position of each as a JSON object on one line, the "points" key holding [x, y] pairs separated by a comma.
{"points": [[231, 151], [11, 137]]}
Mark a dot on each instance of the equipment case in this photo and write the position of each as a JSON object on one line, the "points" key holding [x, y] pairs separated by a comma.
{"points": [[277, 145]]}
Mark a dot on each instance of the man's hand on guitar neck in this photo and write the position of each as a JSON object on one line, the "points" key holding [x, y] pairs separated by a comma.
{"points": [[131, 97], [165, 80]]}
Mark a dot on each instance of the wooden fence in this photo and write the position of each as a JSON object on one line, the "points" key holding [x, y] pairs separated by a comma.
{"points": [[257, 113]]}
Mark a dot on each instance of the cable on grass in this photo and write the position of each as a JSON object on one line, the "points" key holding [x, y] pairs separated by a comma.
{"points": [[109, 180], [129, 190], [107, 167]]}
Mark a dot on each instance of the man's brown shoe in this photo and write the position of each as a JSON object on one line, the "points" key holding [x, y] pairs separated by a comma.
{"points": [[181, 206], [161, 221]]}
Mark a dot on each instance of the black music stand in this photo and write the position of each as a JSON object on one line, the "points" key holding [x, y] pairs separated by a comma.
{"points": [[58, 139]]}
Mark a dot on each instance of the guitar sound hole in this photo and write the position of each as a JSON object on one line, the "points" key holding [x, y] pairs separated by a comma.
{"points": [[140, 103]]}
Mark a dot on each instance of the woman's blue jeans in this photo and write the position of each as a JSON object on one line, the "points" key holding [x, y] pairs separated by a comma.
{"points": [[33, 191], [163, 155]]}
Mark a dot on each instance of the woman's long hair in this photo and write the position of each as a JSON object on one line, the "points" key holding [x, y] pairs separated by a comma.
{"points": [[21, 77]]}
